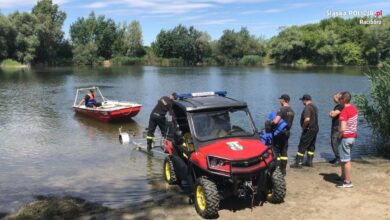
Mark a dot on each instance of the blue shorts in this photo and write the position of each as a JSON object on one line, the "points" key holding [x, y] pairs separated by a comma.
{"points": [[345, 147]]}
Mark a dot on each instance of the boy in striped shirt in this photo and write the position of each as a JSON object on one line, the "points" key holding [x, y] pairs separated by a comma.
{"points": [[348, 133]]}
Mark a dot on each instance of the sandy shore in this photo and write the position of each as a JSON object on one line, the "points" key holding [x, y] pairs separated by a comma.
{"points": [[311, 194]]}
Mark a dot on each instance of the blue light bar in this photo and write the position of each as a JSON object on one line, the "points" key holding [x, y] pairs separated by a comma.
{"points": [[200, 94]]}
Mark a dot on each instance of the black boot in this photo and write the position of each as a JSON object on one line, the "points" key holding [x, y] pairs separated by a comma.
{"points": [[149, 144], [283, 166], [309, 161], [298, 162]]}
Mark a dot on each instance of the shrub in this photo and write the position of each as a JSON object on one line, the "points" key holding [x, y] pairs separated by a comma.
{"points": [[10, 63], [251, 60], [302, 62], [376, 111], [124, 60]]}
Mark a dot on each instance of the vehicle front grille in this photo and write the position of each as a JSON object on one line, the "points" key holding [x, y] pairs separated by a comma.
{"points": [[246, 163]]}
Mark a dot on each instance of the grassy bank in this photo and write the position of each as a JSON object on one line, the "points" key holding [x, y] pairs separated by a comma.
{"points": [[9, 63]]}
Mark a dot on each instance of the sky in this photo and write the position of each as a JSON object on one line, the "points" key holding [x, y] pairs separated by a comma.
{"points": [[263, 18]]}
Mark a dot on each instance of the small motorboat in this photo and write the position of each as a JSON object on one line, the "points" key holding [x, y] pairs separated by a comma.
{"points": [[109, 111]]}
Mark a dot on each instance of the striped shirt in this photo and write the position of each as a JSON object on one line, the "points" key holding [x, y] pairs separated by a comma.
{"points": [[350, 115]]}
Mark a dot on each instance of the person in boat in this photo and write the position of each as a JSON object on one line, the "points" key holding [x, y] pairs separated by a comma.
{"points": [[90, 100], [157, 118]]}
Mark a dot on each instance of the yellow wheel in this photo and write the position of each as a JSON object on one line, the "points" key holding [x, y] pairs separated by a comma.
{"points": [[169, 172], [206, 198], [278, 187], [200, 198]]}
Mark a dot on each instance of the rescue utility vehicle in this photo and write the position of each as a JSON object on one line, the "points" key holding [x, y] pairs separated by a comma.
{"points": [[214, 149]]}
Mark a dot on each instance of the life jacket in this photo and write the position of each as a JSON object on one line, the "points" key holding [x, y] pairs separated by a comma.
{"points": [[92, 99], [280, 126], [267, 136]]}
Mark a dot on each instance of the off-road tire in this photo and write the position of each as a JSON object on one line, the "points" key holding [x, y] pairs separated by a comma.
{"points": [[278, 187], [211, 198], [169, 171]]}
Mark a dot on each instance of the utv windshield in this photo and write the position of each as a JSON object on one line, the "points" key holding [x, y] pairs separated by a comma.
{"points": [[222, 124]]}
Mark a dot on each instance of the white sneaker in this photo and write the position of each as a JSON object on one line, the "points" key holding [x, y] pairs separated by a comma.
{"points": [[345, 185]]}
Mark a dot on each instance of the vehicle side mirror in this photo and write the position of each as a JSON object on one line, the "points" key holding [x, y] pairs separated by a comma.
{"points": [[178, 137]]}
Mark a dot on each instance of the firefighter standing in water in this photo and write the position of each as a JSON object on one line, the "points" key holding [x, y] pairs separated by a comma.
{"points": [[157, 118], [281, 139]]}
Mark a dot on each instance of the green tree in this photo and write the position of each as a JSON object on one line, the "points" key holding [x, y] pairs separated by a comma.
{"points": [[95, 30], [26, 41], [119, 46], [86, 54], [188, 44], [7, 37], [49, 30], [133, 39], [376, 42], [288, 46], [350, 54], [105, 35], [233, 46]]}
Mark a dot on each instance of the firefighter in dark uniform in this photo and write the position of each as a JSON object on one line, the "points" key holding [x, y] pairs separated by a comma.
{"points": [[157, 118], [281, 139], [309, 124]]}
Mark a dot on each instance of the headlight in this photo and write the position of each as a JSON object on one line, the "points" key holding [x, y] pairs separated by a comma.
{"points": [[219, 164], [216, 162]]}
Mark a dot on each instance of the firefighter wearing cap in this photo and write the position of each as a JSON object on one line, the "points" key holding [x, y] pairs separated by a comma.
{"points": [[309, 124], [157, 118], [286, 114]]}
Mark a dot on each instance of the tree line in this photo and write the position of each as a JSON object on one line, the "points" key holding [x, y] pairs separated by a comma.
{"points": [[37, 38]]}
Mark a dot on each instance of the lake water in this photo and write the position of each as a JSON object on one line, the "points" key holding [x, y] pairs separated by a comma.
{"points": [[45, 149]]}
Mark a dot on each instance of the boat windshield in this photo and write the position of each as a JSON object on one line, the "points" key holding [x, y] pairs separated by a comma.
{"points": [[223, 124]]}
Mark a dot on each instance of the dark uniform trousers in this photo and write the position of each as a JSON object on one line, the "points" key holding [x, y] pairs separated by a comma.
{"points": [[281, 144], [335, 140], [154, 121], [280, 149], [307, 142]]}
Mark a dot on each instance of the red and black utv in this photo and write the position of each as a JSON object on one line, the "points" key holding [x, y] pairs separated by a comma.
{"points": [[215, 150]]}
